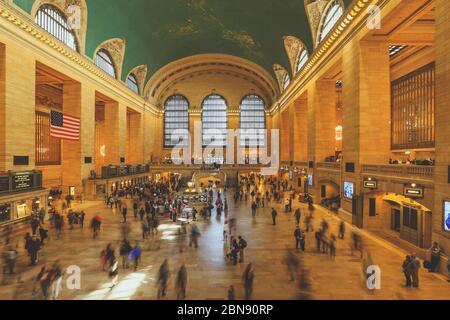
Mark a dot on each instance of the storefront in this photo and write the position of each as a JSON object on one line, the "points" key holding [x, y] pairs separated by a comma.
{"points": [[19, 207]]}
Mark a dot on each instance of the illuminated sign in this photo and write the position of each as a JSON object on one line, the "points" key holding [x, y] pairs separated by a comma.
{"points": [[447, 216], [310, 180], [370, 184], [413, 192], [349, 190]]}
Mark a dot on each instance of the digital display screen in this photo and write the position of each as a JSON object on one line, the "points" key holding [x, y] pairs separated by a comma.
{"points": [[349, 189], [310, 180], [447, 216]]}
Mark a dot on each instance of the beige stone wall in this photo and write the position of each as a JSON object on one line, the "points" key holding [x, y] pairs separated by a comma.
{"points": [[441, 183]]}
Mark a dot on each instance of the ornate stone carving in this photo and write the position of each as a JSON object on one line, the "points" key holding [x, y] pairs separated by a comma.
{"points": [[140, 72], [280, 73], [294, 47], [314, 11], [116, 48], [63, 5]]}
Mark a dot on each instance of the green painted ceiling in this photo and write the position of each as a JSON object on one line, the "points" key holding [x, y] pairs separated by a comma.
{"points": [[158, 32]]}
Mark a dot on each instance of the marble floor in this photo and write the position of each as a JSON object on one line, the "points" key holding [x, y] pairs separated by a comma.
{"points": [[210, 274]]}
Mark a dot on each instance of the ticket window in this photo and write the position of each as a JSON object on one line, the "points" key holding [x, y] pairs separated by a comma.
{"points": [[22, 210], [5, 212]]}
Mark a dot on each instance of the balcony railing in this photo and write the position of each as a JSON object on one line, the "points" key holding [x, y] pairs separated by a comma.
{"points": [[333, 166], [406, 171]]}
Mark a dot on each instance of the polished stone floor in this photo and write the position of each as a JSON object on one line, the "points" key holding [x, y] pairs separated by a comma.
{"points": [[209, 273]]}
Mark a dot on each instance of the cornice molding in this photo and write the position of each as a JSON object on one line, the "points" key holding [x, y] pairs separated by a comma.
{"points": [[23, 22], [337, 36]]}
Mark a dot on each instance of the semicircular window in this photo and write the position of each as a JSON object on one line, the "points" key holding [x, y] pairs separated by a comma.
{"points": [[132, 83], [176, 122], [332, 15], [53, 20], [214, 121], [253, 122], [302, 59], [104, 61]]}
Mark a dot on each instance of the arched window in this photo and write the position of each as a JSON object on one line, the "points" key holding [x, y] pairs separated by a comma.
{"points": [[302, 59], [132, 83], [54, 22], [253, 122], [333, 13], [214, 121], [286, 81], [176, 118], [104, 61]]}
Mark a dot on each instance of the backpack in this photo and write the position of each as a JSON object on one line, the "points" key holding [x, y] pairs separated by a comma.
{"points": [[243, 243]]}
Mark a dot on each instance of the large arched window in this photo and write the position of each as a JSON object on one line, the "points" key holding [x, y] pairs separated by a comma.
{"points": [[214, 121], [54, 22], [132, 83], [253, 122], [333, 13], [176, 118], [302, 59], [104, 61]]}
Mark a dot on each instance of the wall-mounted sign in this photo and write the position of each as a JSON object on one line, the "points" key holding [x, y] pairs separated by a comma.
{"points": [[413, 192], [349, 190], [310, 180], [370, 184], [22, 180], [447, 216]]}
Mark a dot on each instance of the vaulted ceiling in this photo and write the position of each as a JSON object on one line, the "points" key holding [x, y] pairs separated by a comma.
{"points": [[158, 32]]}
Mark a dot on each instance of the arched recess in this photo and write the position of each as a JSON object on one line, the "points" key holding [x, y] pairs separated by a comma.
{"points": [[140, 72], [282, 76], [314, 10], [75, 10], [116, 49], [211, 73], [329, 7], [294, 48]]}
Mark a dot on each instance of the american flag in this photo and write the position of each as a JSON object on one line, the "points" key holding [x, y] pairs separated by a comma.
{"points": [[64, 127]]}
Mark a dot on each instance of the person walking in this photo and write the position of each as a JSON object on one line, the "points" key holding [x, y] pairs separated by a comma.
{"points": [[10, 257], [298, 237], [342, 230], [82, 217], [33, 249], [332, 246], [254, 207], [247, 279], [298, 216], [407, 271], [135, 256], [293, 264], [195, 234], [274, 216], [435, 253], [181, 283], [113, 273], [231, 293], [125, 250], [415, 267], [124, 212], [242, 245], [163, 278]]}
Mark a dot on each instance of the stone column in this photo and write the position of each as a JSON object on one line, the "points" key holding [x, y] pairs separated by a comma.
{"points": [[301, 130], [321, 120], [134, 139], [441, 173], [366, 108], [17, 107]]}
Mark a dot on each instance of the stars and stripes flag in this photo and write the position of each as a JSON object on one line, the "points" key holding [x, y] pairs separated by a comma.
{"points": [[64, 127]]}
